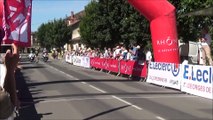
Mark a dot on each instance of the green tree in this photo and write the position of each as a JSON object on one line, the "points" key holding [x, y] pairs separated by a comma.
{"points": [[110, 22], [54, 34], [61, 33], [87, 25], [189, 26]]}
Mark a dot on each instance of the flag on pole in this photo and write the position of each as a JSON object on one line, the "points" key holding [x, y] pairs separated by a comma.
{"points": [[17, 22]]}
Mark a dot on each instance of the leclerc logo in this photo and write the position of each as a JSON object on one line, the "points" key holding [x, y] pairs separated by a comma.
{"points": [[175, 69], [198, 74]]}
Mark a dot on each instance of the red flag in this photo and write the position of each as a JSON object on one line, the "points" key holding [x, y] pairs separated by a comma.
{"points": [[17, 22]]}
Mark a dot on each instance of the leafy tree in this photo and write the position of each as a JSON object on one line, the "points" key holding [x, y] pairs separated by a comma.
{"points": [[189, 26], [110, 22], [87, 25], [54, 34], [61, 33]]}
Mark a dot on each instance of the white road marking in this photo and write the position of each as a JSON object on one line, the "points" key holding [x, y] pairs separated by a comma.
{"points": [[68, 75], [160, 118], [128, 103], [102, 91], [98, 89], [83, 82]]}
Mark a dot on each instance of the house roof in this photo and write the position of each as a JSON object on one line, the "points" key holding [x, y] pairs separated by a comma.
{"points": [[76, 17]]}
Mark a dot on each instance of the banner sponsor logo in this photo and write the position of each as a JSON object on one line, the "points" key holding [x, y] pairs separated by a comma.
{"points": [[197, 74], [168, 41], [165, 74], [174, 69], [198, 80]]}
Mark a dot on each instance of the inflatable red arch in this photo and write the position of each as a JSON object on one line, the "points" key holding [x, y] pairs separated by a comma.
{"points": [[161, 15]]}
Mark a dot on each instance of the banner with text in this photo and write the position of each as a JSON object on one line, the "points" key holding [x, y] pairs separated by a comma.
{"points": [[198, 80], [17, 22], [133, 68], [165, 74]]}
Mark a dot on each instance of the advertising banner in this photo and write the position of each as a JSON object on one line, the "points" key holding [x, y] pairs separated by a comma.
{"points": [[113, 65], [76, 60], [126, 67], [67, 57], [165, 74], [92, 61], [140, 69], [17, 22], [70, 60], [105, 64], [133, 68], [96, 62], [85, 62], [198, 80]]}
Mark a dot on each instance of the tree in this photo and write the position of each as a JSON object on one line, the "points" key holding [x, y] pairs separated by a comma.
{"points": [[61, 33], [110, 22], [87, 25], [189, 26], [54, 34]]}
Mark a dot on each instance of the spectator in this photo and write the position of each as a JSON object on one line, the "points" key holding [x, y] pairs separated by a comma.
{"points": [[106, 53], [124, 53], [206, 40], [128, 55], [141, 54], [11, 62], [110, 53], [148, 56], [134, 52]]}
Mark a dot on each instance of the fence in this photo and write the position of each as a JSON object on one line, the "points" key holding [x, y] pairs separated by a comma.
{"points": [[193, 79]]}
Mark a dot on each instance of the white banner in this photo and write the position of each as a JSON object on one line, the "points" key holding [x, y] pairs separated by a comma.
{"points": [[198, 80], [70, 60], [76, 60], [67, 57], [85, 62], [165, 74]]}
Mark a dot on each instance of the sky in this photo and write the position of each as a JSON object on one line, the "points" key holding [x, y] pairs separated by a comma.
{"points": [[48, 10]]}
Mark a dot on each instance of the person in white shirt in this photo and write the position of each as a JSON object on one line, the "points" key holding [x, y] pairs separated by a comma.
{"points": [[205, 40], [148, 56], [106, 53], [117, 52]]}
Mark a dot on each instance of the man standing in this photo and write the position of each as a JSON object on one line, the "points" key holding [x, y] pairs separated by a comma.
{"points": [[206, 43], [11, 62]]}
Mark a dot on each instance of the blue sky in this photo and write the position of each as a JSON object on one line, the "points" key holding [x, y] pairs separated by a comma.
{"points": [[47, 10]]}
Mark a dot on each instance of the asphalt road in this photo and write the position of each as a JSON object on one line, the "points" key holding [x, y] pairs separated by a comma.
{"points": [[57, 90]]}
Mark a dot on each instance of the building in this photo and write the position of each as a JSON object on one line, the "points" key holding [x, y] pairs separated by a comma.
{"points": [[73, 21]]}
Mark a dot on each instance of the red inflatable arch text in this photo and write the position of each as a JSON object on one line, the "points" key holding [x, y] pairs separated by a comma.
{"points": [[161, 15]]}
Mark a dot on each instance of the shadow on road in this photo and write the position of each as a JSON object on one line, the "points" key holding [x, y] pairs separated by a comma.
{"points": [[27, 110], [105, 112], [73, 81], [32, 67]]}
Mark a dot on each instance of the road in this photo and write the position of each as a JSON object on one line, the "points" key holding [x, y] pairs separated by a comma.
{"points": [[57, 90]]}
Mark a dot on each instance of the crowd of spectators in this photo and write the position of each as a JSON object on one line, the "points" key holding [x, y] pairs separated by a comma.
{"points": [[119, 52]]}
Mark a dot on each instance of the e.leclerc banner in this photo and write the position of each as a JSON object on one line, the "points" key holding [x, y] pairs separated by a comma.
{"points": [[198, 80], [17, 22], [165, 74]]}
